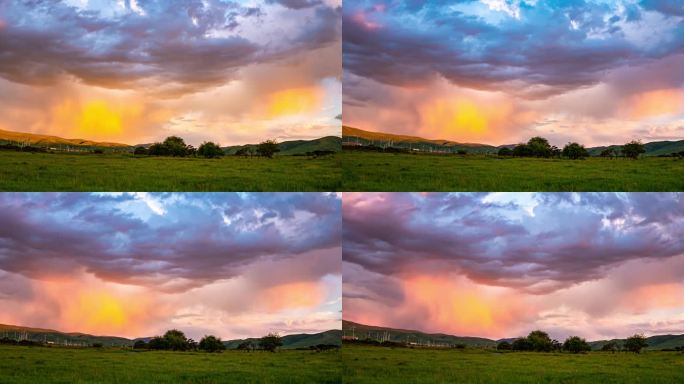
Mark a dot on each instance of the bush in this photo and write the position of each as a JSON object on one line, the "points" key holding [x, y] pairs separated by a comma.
{"points": [[505, 151], [140, 344], [503, 346], [270, 342], [633, 149], [268, 148], [98, 345], [636, 343], [209, 150], [140, 151], [575, 151], [576, 344], [211, 344]]}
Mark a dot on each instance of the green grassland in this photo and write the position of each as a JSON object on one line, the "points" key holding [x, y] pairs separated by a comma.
{"points": [[110, 365], [368, 171], [363, 364], [24, 171]]}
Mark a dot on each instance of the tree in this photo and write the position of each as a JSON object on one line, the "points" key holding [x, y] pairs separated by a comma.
{"points": [[505, 151], [159, 343], [268, 148], [608, 152], [140, 151], [140, 344], [575, 151], [521, 344], [211, 344], [461, 152], [539, 341], [270, 342], [176, 340], [176, 146], [209, 150], [576, 344], [636, 343], [610, 346], [503, 346], [158, 149], [633, 149], [522, 150], [97, 345], [539, 147], [246, 345]]}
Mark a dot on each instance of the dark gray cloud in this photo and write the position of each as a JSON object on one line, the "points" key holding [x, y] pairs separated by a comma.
{"points": [[564, 239], [561, 45], [196, 239], [172, 47]]}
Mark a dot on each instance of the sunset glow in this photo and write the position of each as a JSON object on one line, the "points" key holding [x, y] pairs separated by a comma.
{"points": [[105, 264], [500, 265], [596, 72]]}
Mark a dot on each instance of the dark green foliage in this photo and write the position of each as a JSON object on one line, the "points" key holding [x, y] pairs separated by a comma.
{"points": [[158, 149], [176, 340], [504, 346], [461, 152], [608, 152], [575, 151], [521, 344], [610, 347], [633, 149], [140, 344], [268, 148], [539, 147], [246, 345], [576, 344], [539, 341], [176, 146], [211, 344], [522, 150], [140, 151], [505, 151], [635, 343], [158, 343], [270, 342], [209, 150], [97, 345]]}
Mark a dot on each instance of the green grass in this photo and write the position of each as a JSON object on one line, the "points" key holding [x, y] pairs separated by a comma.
{"points": [[384, 365], [22, 171], [363, 171], [32, 365]]}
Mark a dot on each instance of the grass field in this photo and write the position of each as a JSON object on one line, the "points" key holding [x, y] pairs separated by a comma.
{"points": [[23, 171], [384, 365], [63, 365], [362, 171]]}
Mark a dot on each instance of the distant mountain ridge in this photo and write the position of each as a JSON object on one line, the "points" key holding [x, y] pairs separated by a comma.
{"points": [[296, 147], [355, 136], [301, 340], [42, 335], [47, 140], [362, 331]]}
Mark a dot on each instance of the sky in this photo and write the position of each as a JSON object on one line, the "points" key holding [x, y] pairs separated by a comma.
{"points": [[501, 71], [137, 71], [597, 265], [233, 265]]}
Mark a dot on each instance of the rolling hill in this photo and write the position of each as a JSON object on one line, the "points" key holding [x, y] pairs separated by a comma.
{"points": [[301, 340], [60, 338], [297, 147], [655, 343], [53, 141], [363, 331], [355, 136]]}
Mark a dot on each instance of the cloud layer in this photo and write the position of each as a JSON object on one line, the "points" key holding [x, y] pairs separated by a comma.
{"points": [[515, 260], [526, 56], [162, 55], [198, 262]]}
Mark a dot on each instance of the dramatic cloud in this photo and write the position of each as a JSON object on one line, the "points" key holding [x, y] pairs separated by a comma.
{"points": [[497, 264], [500, 70], [132, 264], [165, 59]]}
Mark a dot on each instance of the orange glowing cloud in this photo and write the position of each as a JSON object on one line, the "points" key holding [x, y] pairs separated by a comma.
{"points": [[95, 119], [658, 296], [656, 103], [463, 118], [293, 295], [452, 304], [294, 101]]}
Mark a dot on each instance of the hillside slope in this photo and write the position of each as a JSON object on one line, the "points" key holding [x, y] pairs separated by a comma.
{"points": [[48, 141], [654, 148], [297, 147], [655, 343], [363, 331], [301, 340], [60, 338]]}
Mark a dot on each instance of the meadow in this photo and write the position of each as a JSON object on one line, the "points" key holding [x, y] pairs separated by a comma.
{"points": [[25, 171], [368, 171], [364, 364], [112, 365]]}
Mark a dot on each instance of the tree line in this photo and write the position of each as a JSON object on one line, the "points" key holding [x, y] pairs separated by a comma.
{"points": [[540, 147], [175, 340], [175, 146], [539, 341]]}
